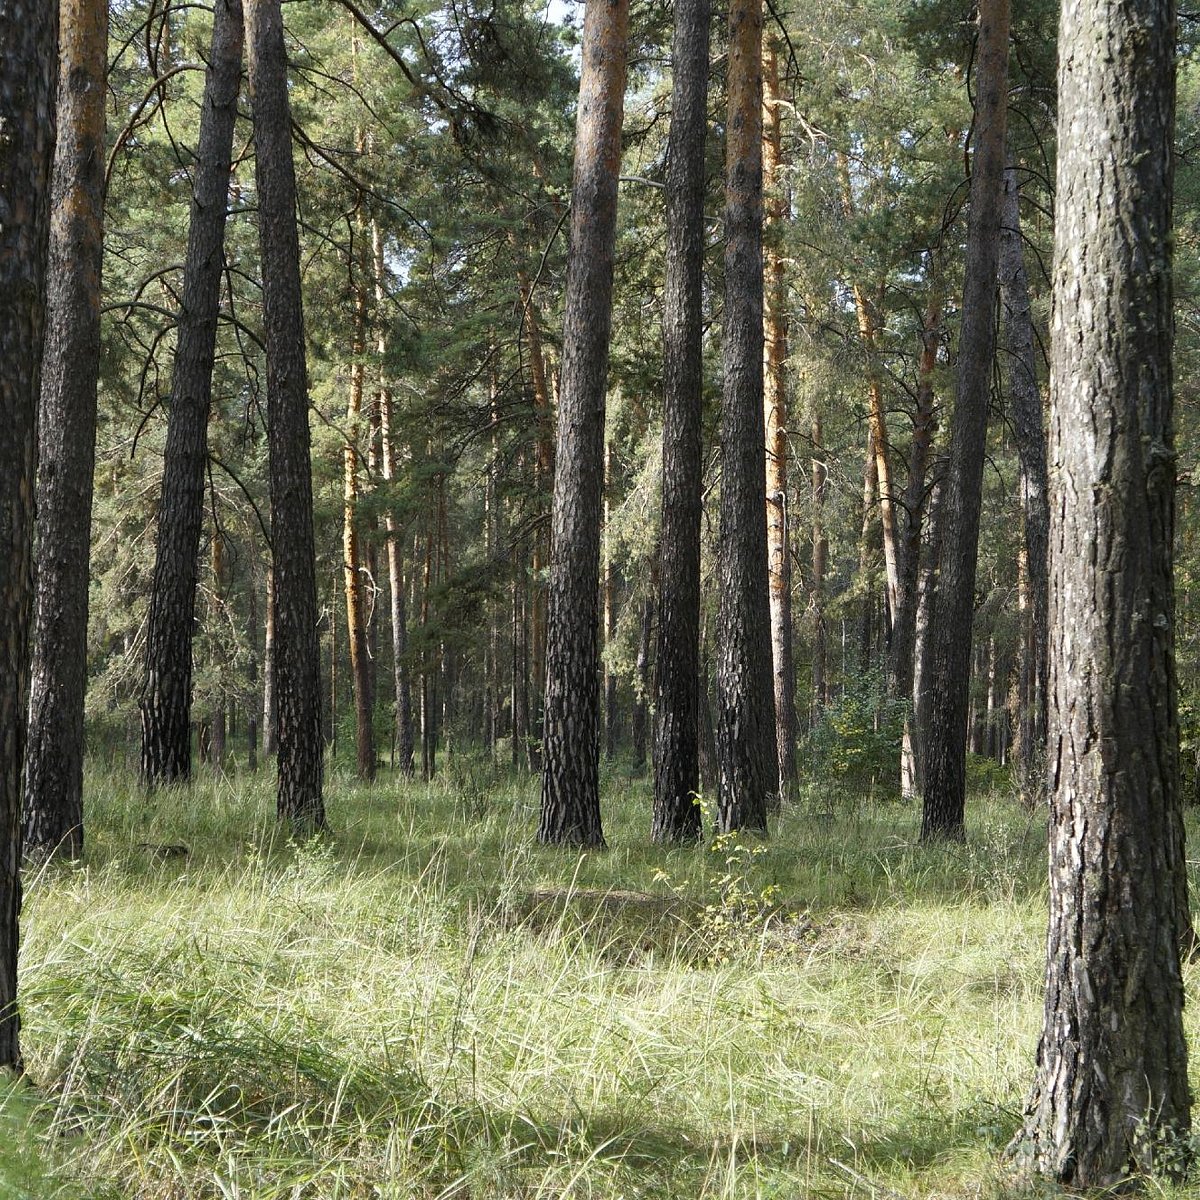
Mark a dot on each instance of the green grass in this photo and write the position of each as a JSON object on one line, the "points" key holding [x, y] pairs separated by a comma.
{"points": [[427, 1004]]}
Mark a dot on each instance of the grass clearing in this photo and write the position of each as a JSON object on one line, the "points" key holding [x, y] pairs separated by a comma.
{"points": [[427, 1004]]}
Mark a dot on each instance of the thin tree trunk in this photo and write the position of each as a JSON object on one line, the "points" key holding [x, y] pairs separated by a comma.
{"points": [[820, 561], [746, 749], [252, 674], [945, 736], [610, 617], [166, 697], [27, 77], [570, 776], [1111, 1095], [270, 723], [676, 815], [297, 657], [641, 712], [401, 684], [868, 548], [53, 807], [901, 664], [931, 553], [1025, 407], [356, 626], [775, 352]]}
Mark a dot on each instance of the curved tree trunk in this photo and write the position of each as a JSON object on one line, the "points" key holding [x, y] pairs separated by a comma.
{"points": [[677, 674], [53, 813], [1025, 405], [570, 771], [27, 75], [1111, 1093], [944, 766], [746, 749], [166, 699], [297, 656]]}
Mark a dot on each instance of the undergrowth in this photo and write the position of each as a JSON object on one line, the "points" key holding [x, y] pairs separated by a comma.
{"points": [[427, 1004]]}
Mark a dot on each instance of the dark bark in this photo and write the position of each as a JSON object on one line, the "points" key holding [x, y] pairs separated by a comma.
{"points": [[746, 749], [1111, 1097], [945, 779], [166, 697], [1025, 410], [53, 809], [27, 77], [297, 657], [677, 667], [570, 773]]}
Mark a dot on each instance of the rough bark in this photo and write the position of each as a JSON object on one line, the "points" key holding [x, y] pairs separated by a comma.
{"points": [[746, 749], [53, 809], [775, 414], [1025, 410], [1111, 1097], [570, 774], [27, 76], [297, 656], [676, 815], [166, 697], [945, 780]]}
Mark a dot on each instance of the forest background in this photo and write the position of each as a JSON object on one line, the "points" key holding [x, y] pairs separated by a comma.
{"points": [[433, 182]]}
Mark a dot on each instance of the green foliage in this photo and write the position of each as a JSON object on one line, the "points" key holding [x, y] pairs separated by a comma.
{"points": [[855, 745]]}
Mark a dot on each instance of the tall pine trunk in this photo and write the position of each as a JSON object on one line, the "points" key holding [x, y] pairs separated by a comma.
{"points": [[746, 748], [297, 655], [1025, 407], [676, 815], [945, 782], [352, 566], [53, 813], [1111, 1095], [27, 76], [570, 771], [775, 411], [166, 698]]}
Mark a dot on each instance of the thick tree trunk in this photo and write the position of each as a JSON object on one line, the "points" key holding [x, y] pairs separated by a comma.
{"points": [[27, 76], [297, 656], [53, 811], [677, 675], [1111, 1095], [746, 749], [945, 780], [352, 566], [166, 699], [570, 776], [1025, 407], [775, 352]]}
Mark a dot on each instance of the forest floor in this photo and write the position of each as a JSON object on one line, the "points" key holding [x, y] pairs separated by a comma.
{"points": [[426, 1004]]}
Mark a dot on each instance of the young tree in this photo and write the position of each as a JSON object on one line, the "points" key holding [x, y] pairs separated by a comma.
{"points": [[677, 678], [53, 810], [166, 700], [27, 75], [296, 653], [1110, 1097], [746, 749], [571, 766], [944, 761]]}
